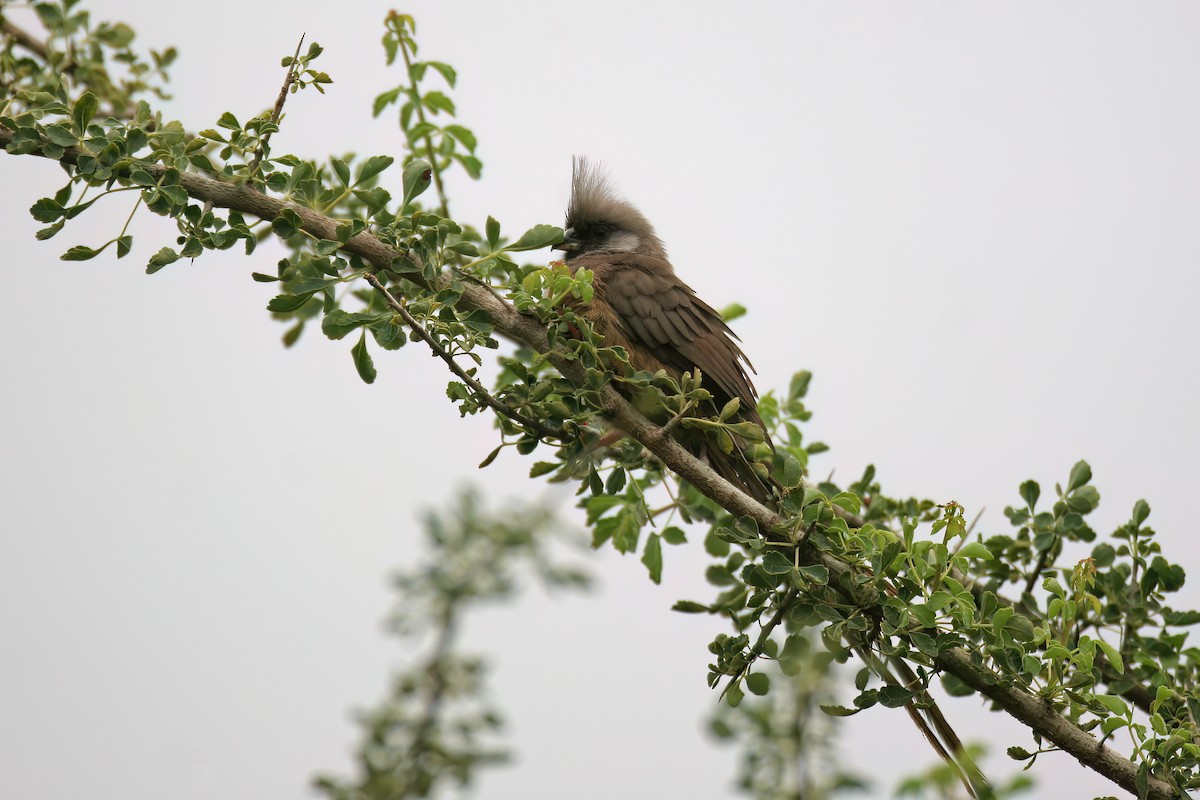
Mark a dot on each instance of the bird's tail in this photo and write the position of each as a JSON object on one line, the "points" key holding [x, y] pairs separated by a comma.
{"points": [[737, 468]]}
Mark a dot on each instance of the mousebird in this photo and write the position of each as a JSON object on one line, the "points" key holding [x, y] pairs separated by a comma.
{"points": [[640, 304]]}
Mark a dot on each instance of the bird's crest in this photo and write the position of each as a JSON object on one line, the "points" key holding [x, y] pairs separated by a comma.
{"points": [[594, 200]]}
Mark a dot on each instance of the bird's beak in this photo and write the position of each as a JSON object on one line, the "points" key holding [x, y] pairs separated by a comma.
{"points": [[569, 244]]}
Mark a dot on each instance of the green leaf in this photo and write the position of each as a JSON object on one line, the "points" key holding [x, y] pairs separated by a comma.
{"points": [[493, 232], [840, 711], [758, 683], [1112, 654], [793, 473], [1114, 704], [847, 501], [1081, 474], [80, 253], [652, 557], [284, 303], [732, 311], [690, 607], [1141, 509], [161, 259], [894, 696], [362, 360], [418, 174], [1030, 491], [463, 135], [976, 550], [776, 563], [437, 102], [46, 210], [446, 71], [1019, 753], [61, 135], [541, 468], [85, 110], [263, 278], [341, 169], [372, 167], [815, 573], [124, 245], [471, 164], [674, 535], [798, 387], [490, 456], [338, 323], [535, 238]]}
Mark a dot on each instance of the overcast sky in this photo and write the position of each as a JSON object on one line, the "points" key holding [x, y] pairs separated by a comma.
{"points": [[976, 224]]}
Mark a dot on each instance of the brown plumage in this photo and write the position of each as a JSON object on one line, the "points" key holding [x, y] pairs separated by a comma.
{"points": [[641, 305]]}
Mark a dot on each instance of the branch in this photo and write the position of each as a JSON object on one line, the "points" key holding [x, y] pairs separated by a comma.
{"points": [[1032, 711], [542, 430], [276, 112], [21, 37]]}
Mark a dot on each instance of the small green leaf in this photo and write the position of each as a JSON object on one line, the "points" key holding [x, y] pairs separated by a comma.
{"points": [[85, 110], [847, 501], [362, 360], [491, 457], [1112, 654], [1114, 704], [284, 303], [463, 135], [690, 607], [341, 169], [732, 311], [263, 278], [372, 167], [674, 535], [776, 563], [840, 711], [535, 238], [1019, 753], [418, 174], [229, 122], [124, 245], [1081, 474], [1030, 491], [161, 259], [652, 557], [976, 550], [542, 468], [758, 683], [493, 233], [80, 253], [815, 573], [892, 696], [793, 473], [46, 210]]}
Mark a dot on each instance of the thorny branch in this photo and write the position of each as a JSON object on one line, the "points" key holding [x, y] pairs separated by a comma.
{"points": [[1034, 712], [543, 430]]}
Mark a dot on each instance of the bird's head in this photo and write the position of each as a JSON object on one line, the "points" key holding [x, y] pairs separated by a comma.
{"points": [[598, 220]]}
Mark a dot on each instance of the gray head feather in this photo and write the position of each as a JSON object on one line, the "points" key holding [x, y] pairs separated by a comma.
{"points": [[595, 205]]}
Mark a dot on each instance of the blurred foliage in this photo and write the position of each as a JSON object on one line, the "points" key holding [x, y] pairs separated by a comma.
{"points": [[1048, 607], [436, 727]]}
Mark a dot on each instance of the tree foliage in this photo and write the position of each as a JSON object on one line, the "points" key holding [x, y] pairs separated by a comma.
{"points": [[1069, 632]]}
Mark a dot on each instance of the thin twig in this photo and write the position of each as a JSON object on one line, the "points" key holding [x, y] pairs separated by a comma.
{"points": [[277, 112], [543, 430], [416, 101]]}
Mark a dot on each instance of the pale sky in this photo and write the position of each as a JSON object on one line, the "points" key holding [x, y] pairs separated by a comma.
{"points": [[975, 223]]}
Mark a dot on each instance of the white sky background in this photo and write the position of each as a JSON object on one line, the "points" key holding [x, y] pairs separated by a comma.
{"points": [[977, 224]]}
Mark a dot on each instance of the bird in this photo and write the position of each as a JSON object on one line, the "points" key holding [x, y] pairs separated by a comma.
{"points": [[641, 305]]}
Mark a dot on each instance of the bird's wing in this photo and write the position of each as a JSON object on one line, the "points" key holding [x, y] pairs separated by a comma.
{"points": [[661, 313]]}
